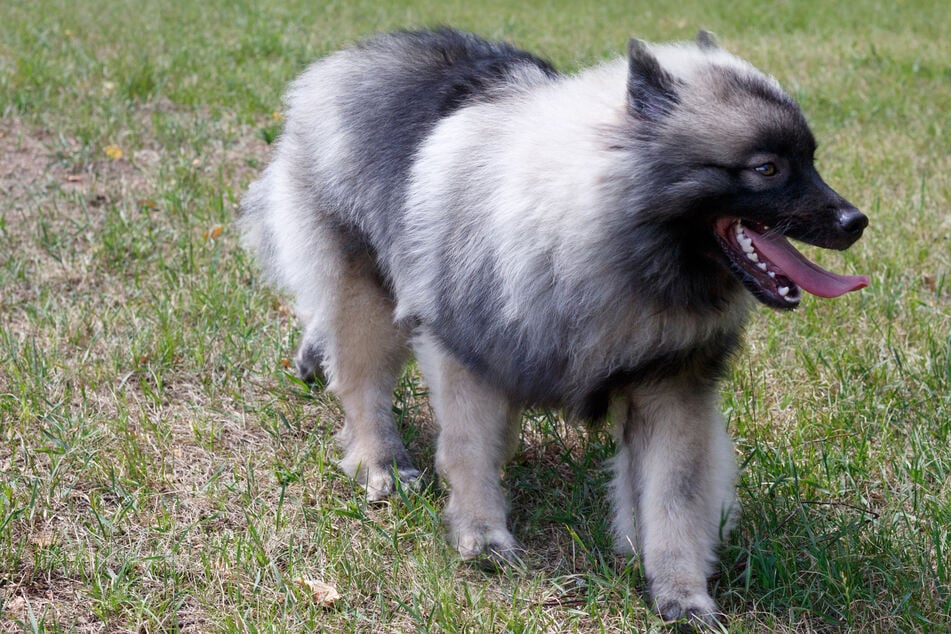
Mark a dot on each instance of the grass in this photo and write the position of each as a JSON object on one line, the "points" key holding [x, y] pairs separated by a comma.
{"points": [[161, 470]]}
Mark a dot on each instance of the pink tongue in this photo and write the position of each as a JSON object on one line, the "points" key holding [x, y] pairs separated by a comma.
{"points": [[805, 273]]}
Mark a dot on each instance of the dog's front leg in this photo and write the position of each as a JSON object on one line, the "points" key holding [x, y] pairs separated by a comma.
{"points": [[478, 431], [676, 469]]}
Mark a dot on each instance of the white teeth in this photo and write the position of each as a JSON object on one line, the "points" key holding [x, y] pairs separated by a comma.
{"points": [[746, 243]]}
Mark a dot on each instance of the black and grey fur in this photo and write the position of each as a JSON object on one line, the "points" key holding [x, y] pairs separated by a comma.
{"points": [[540, 239]]}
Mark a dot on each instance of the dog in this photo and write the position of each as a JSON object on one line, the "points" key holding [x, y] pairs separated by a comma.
{"points": [[590, 242]]}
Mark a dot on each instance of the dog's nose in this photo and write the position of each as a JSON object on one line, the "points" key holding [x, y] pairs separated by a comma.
{"points": [[852, 221]]}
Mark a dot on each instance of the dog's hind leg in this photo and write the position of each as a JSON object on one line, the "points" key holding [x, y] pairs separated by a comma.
{"points": [[363, 353], [347, 315], [676, 467], [353, 340], [478, 433]]}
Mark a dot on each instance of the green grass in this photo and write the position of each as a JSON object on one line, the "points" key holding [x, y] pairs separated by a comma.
{"points": [[160, 470]]}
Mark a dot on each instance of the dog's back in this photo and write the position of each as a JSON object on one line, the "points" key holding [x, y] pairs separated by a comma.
{"points": [[356, 119]]}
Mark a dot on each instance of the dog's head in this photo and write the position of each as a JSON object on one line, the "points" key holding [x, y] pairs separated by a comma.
{"points": [[737, 155]]}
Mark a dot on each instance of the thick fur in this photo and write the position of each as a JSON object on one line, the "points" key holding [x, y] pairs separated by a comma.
{"points": [[535, 239]]}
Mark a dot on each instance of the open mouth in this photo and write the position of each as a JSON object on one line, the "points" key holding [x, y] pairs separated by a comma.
{"points": [[773, 270]]}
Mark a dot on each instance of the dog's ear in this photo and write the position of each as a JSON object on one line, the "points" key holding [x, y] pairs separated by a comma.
{"points": [[707, 41], [651, 91]]}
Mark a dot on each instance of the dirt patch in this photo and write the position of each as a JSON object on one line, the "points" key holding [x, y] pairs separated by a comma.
{"points": [[54, 200], [50, 601], [39, 164], [28, 162]]}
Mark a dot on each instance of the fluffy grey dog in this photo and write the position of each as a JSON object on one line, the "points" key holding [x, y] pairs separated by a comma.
{"points": [[589, 242]]}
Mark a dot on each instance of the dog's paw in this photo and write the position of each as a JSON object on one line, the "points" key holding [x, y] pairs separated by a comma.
{"points": [[377, 477], [494, 545], [691, 611], [380, 484]]}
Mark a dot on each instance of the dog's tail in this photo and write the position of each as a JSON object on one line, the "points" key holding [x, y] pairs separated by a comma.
{"points": [[253, 225]]}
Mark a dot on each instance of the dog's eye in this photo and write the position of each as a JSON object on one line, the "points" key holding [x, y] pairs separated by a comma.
{"points": [[766, 169]]}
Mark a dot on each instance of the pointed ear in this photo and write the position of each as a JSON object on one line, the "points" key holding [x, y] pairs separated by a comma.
{"points": [[707, 41], [651, 91]]}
